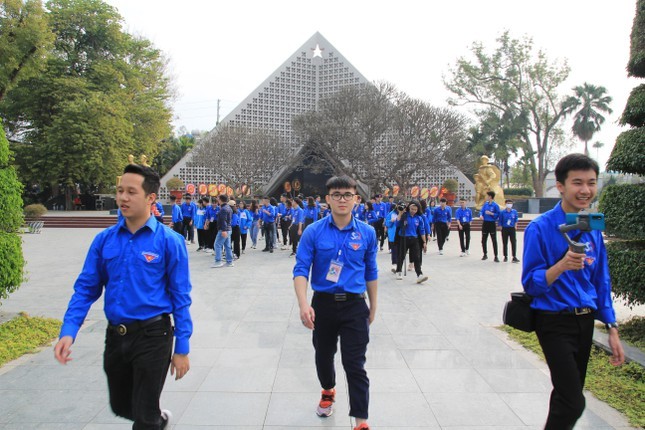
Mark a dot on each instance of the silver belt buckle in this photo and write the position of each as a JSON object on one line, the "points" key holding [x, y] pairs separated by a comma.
{"points": [[340, 297], [581, 311], [122, 329]]}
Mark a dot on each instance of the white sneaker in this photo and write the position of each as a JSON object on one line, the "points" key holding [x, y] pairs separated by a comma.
{"points": [[394, 268], [230, 265], [217, 264], [441, 252], [166, 416], [467, 252], [399, 276], [463, 254], [421, 278]]}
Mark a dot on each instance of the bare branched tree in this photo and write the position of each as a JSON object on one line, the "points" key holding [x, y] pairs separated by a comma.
{"points": [[240, 155]]}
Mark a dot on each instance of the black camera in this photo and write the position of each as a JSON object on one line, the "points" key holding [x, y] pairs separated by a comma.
{"points": [[400, 206]]}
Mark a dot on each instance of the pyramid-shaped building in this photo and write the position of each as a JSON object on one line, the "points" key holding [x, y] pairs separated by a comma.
{"points": [[315, 71]]}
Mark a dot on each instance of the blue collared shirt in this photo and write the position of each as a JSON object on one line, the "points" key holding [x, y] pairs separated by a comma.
{"points": [[411, 226], [379, 209], [590, 287], [355, 246], [282, 209], [176, 214], [507, 218], [464, 215], [268, 218], [312, 212], [188, 209], [359, 212], [224, 217], [298, 216], [144, 274], [490, 206], [442, 215]]}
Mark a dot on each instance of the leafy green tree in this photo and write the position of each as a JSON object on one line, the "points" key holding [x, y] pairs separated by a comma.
{"points": [[514, 80], [102, 95], [172, 150], [11, 259], [25, 37], [597, 145], [588, 103]]}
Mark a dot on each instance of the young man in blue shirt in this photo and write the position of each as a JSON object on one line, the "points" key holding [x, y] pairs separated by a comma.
{"points": [[142, 267], [297, 224], [188, 209], [507, 220], [379, 225], [340, 252], [489, 214], [268, 216], [569, 290], [464, 217], [442, 218], [224, 229], [177, 220], [284, 221]]}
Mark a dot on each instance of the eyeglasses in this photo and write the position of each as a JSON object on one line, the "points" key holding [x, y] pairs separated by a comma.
{"points": [[345, 196]]}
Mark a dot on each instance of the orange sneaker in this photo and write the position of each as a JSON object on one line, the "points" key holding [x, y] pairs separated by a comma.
{"points": [[363, 426], [327, 399]]}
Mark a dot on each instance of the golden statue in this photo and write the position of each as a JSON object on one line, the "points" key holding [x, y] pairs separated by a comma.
{"points": [[144, 160], [130, 159], [488, 180]]}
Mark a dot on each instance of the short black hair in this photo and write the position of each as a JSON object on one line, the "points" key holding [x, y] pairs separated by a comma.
{"points": [[188, 196], [442, 200], [223, 198], [491, 194], [462, 199], [342, 181], [508, 201], [574, 162], [173, 197], [151, 180]]}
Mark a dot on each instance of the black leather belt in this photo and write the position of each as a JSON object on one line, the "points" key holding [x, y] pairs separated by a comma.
{"points": [[574, 311], [133, 327], [340, 297]]}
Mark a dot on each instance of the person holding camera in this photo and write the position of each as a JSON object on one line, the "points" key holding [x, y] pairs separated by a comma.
{"points": [[569, 291], [410, 226]]}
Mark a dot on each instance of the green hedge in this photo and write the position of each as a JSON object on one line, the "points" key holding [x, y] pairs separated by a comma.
{"points": [[634, 113], [628, 155], [528, 191], [623, 206], [626, 266], [11, 260], [636, 64], [11, 263]]}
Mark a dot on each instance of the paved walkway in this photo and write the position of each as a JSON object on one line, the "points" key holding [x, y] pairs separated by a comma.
{"points": [[435, 360]]}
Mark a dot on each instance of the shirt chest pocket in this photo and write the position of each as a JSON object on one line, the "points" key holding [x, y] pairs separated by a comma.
{"points": [[355, 252], [110, 256]]}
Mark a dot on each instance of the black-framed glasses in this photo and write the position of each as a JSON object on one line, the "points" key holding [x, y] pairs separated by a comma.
{"points": [[345, 196]]}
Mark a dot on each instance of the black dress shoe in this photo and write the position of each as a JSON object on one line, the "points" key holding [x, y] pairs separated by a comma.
{"points": [[505, 259], [265, 250], [515, 260], [496, 260], [485, 257]]}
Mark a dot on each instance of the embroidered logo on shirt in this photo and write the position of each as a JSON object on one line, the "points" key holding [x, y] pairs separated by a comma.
{"points": [[589, 259], [355, 246], [149, 256], [355, 235]]}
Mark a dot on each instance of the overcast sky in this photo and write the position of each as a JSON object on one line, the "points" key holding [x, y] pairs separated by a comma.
{"points": [[225, 49]]}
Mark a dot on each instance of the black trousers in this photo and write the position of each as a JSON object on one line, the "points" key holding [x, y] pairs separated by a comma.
{"points": [[295, 237], [243, 237], [136, 366], [442, 232], [178, 227], [201, 237], [212, 234], [393, 251], [566, 343], [464, 233], [235, 240], [350, 321], [489, 228], [379, 226], [284, 226], [509, 233], [188, 231], [268, 228], [410, 244]]}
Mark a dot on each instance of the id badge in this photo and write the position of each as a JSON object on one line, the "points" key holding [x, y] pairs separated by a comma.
{"points": [[333, 274]]}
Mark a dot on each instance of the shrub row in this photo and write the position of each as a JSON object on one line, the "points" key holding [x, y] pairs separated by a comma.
{"points": [[627, 265], [11, 263], [623, 206], [634, 113], [528, 191]]}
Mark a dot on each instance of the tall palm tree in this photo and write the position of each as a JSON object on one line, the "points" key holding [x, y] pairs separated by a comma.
{"points": [[598, 145], [588, 103]]}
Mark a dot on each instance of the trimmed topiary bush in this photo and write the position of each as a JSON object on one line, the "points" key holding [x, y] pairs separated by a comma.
{"points": [[627, 265], [636, 64], [11, 260], [634, 113], [628, 156], [35, 210], [622, 204]]}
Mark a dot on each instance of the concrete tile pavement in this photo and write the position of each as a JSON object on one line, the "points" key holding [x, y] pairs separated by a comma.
{"points": [[435, 359]]}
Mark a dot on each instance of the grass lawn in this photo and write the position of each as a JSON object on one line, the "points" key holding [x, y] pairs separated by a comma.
{"points": [[623, 388], [24, 334]]}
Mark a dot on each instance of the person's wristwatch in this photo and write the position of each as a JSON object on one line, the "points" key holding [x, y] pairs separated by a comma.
{"points": [[611, 325]]}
